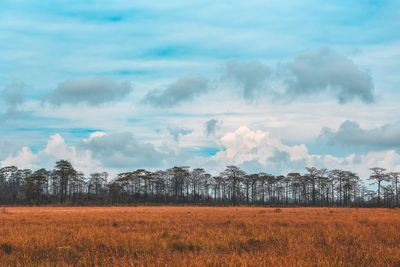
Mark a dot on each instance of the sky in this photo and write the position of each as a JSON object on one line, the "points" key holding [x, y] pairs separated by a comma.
{"points": [[268, 86]]}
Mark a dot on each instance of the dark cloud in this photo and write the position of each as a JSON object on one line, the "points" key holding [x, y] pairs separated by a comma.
{"points": [[176, 132], [211, 126], [8, 148], [92, 91], [351, 134], [250, 76], [184, 89], [122, 150], [325, 70], [252, 166], [279, 163], [13, 97], [310, 73]]}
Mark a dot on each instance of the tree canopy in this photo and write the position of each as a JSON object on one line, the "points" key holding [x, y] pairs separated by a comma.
{"points": [[184, 185]]}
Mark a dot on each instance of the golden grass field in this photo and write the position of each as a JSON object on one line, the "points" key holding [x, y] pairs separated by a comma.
{"points": [[199, 236]]}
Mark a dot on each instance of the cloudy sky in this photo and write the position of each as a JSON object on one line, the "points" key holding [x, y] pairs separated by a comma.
{"points": [[266, 85]]}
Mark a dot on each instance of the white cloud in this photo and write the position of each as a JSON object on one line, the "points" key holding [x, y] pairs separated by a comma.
{"points": [[55, 149], [245, 147], [252, 150], [94, 135], [24, 159]]}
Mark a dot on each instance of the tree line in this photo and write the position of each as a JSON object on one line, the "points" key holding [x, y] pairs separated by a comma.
{"points": [[183, 185]]}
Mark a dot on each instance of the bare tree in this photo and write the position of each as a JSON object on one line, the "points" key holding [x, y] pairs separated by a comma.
{"points": [[379, 175], [394, 176], [234, 175], [65, 172]]}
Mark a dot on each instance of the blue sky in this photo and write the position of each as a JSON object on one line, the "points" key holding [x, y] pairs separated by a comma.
{"points": [[265, 85]]}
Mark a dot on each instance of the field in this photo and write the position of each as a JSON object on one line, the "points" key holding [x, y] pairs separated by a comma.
{"points": [[202, 236]]}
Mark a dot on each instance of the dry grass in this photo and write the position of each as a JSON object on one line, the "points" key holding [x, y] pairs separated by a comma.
{"points": [[4, 211], [189, 236]]}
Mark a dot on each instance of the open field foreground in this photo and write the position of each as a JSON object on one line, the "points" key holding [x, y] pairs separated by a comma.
{"points": [[203, 236]]}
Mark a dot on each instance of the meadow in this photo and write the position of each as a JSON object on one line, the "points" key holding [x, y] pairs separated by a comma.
{"points": [[198, 236]]}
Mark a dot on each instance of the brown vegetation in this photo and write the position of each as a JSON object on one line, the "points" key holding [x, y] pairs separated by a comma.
{"points": [[190, 236]]}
